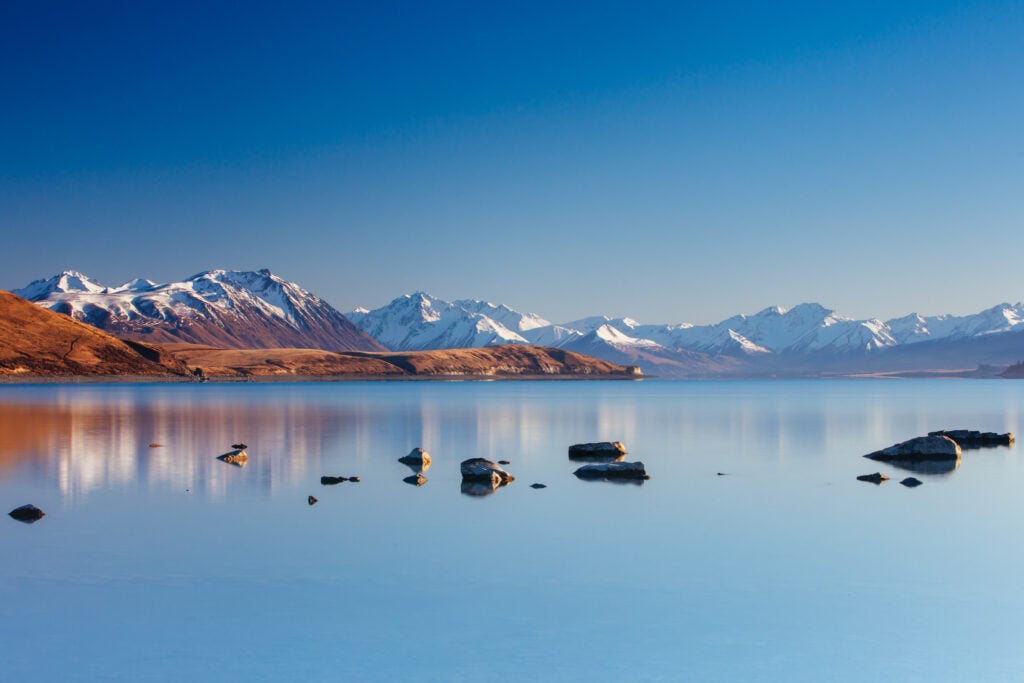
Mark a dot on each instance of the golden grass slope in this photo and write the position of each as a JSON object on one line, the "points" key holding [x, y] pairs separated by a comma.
{"points": [[38, 342]]}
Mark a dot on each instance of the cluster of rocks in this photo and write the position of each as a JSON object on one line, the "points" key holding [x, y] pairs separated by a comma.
{"points": [[237, 456], [937, 453], [328, 480]]}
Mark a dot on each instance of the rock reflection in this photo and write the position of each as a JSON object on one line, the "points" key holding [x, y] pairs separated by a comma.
{"points": [[480, 488], [934, 467]]}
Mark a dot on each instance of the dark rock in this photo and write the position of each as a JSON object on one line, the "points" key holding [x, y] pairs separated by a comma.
{"points": [[239, 446], [312, 500], [911, 482], [613, 470], [602, 451], [415, 480], [482, 469], [354, 480], [876, 478], [538, 486], [417, 459], [920, 448], [27, 513], [722, 474], [504, 462], [156, 445], [969, 438], [237, 458], [331, 481]]}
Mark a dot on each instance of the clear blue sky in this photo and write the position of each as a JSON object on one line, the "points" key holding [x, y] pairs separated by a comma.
{"points": [[668, 161]]}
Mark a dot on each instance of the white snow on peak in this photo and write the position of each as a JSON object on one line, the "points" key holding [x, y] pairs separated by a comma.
{"points": [[66, 281]]}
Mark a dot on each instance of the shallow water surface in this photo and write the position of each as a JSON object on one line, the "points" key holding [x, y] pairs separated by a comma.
{"points": [[167, 564]]}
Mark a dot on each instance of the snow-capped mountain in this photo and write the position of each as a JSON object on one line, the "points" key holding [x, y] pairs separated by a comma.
{"points": [[420, 322], [773, 340], [235, 309]]}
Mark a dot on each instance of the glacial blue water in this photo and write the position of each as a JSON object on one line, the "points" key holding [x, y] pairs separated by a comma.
{"points": [[167, 564]]}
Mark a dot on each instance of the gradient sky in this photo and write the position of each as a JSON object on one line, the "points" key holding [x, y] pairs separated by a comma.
{"points": [[667, 161]]}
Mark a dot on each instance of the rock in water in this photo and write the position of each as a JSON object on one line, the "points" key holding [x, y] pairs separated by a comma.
{"points": [[483, 470], [920, 448], [969, 438], [238, 458], [354, 480], [239, 446], [613, 470], [911, 482], [312, 500], [331, 481], [417, 458], [538, 486], [27, 513], [504, 462], [156, 445], [603, 450], [876, 478], [415, 480]]}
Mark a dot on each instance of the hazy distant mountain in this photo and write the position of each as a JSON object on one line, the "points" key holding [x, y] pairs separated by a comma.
{"points": [[804, 340], [234, 309]]}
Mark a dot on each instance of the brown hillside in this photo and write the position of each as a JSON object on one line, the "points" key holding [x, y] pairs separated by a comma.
{"points": [[36, 341], [510, 360]]}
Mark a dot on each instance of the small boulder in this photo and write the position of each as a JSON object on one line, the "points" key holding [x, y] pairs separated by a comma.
{"points": [[538, 486], [312, 500], [237, 457], [911, 482], [27, 513], [876, 478], [415, 479], [331, 481], [417, 458], [919, 448], [483, 470], [354, 480], [613, 470], [600, 451]]}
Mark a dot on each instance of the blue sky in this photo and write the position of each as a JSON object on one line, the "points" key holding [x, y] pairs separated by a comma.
{"points": [[669, 161]]}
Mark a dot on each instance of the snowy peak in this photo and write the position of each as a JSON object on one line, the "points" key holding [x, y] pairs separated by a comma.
{"points": [[235, 309], [66, 281]]}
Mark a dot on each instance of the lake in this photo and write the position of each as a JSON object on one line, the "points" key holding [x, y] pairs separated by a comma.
{"points": [[167, 564]]}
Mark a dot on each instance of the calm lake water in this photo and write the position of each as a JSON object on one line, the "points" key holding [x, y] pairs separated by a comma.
{"points": [[167, 564]]}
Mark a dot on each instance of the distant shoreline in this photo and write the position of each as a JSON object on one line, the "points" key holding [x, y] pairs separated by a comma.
{"points": [[269, 379]]}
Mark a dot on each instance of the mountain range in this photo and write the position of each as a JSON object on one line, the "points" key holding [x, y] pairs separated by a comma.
{"points": [[238, 309], [232, 309]]}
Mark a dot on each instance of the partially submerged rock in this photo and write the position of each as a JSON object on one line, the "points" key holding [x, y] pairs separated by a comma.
{"points": [[415, 479], [919, 448], [876, 478], [483, 470], [312, 500], [969, 438], [156, 445], [417, 458], [239, 446], [538, 486], [236, 457], [27, 513], [327, 480], [911, 482], [504, 462], [613, 470], [601, 451]]}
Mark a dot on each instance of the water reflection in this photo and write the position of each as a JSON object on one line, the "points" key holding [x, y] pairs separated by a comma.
{"points": [[934, 467]]}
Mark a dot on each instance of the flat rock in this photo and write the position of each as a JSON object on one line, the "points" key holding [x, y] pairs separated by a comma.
{"points": [[415, 480], [613, 470], [876, 478], [919, 448], [327, 480], [417, 458], [238, 458], [483, 470], [538, 486], [27, 513], [969, 438], [239, 446], [911, 482], [504, 462], [156, 445], [600, 451]]}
